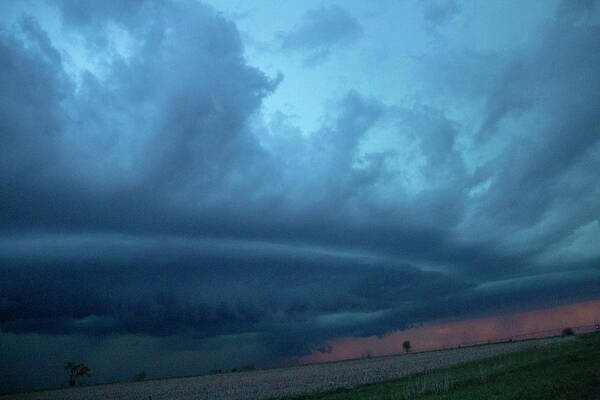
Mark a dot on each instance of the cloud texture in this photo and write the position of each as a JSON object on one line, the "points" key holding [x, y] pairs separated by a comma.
{"points": [[145, 193]]}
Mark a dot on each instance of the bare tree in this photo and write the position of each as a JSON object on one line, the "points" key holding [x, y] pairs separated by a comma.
{"points": [[75, 371], [568, 332], [406, 345], [139, 377]]}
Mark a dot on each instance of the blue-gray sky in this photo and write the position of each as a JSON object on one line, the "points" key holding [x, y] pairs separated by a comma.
{"points": [[196, 185]]}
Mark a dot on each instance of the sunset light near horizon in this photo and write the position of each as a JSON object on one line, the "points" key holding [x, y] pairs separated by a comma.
{"points": [[522, 325]]}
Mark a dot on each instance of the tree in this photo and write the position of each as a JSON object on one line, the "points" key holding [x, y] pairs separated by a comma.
{"points": [[75, 371], [568, 332], [406, 345], [139, 377]]}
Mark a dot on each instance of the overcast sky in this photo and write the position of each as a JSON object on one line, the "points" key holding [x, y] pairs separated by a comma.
{"points": [[206, 185]]}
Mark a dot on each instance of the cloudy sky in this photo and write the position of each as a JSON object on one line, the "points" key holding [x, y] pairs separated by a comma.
{"points": [[191, 185]]}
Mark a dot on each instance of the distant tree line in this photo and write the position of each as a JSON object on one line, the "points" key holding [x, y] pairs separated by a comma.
{"points": [[245, 368]]}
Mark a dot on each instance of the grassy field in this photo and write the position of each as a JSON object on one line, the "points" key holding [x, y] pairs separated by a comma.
{"points": [[551, 368], [569, 370]]}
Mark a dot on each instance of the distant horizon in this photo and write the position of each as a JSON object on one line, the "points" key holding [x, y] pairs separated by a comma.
{"points": [[572, 313], [391, 343], [436, 335]]}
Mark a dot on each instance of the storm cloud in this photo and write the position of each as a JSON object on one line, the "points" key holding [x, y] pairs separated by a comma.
{"points": [[147, 191], [320, 31]]}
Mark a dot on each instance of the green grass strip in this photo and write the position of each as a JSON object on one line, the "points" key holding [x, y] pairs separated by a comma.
{"points": [[562, 371]]}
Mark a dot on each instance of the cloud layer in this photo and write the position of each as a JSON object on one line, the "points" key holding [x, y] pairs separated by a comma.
{"points": [[145, 193], [320, 31]]}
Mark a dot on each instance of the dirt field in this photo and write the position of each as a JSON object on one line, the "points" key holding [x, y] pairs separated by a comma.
{"points": [[285, 381]]}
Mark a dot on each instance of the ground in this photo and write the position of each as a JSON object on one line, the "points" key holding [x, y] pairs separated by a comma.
{"points": [[557, 368]]}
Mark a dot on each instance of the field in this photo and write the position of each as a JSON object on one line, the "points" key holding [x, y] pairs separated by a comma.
{"points": [[404, 376], [567, 371]]}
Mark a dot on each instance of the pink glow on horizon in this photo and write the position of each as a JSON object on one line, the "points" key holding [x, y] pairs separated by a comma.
{"points": [[464, 332]]}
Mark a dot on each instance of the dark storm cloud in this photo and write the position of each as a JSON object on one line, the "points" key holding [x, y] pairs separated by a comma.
{"points": [[294, 297], [540, 110], [320, 31], [31, 115], [145, 199], [167, 286], [535, 176], [120, 155]]}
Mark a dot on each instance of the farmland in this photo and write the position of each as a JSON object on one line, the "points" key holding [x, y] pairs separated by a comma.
{"points": [[566, 371], [316, 378]]}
